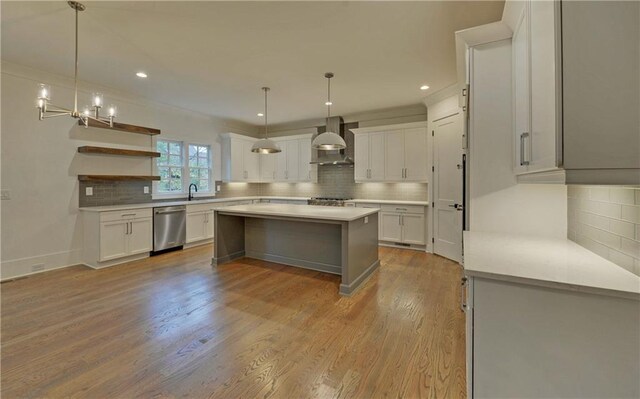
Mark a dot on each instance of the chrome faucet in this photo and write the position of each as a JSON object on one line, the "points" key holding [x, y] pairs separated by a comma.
{"points": [[195, 187]]}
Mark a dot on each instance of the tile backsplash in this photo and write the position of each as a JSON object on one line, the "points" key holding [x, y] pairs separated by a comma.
{"points": [[606, 220]]}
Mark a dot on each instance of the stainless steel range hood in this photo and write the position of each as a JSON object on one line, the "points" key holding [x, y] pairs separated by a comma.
{"points": [[339, 157]]}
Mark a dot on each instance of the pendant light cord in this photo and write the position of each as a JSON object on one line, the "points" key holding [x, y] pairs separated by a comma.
{"points": [[328, 98], [75, 98], [266, 129]]}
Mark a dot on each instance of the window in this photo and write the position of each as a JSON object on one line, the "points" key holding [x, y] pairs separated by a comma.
{"points": [[200, 166], [170, 166]]}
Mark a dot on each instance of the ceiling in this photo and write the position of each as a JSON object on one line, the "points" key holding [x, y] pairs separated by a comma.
{"points": [[213, 57]]}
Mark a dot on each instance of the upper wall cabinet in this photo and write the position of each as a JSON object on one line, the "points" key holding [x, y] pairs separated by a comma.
{"points": [[239, 164], [394, 153], [291, 165], [577, 92]]}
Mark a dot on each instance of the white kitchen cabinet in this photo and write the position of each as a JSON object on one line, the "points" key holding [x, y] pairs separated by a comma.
{"points": [[288, 161], [239, 164], [267, 167], [391, 227], [393, 153], [369, 157], [113, 240], [116, 236], [577, 93], [413, 228], [307, 172], [416, 155], [200, 222], [521, 94], [402, 224]]}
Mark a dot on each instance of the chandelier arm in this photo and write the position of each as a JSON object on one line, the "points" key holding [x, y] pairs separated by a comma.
{"points": [[55, 108], [55, 114]]}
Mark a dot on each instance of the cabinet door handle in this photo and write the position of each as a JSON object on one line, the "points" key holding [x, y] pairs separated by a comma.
{"points": [[131, 228], [463, 302], [523, 161], [464, 92], [126, 232]]}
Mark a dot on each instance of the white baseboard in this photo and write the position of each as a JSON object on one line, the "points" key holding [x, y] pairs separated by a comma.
{"points": [[10, 269]]}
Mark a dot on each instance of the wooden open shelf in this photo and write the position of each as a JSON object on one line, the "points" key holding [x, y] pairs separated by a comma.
{"points": [[87, 149], [116, 178], [123, 127]]}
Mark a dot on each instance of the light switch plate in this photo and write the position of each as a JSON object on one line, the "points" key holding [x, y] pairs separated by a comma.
{"points": [[88, 191], [366, 219], [5, 195], [146, 189], [218, 188]]}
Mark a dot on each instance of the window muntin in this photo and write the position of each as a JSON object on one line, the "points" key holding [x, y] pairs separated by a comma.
{"points": [[170, 166], [200, 166]]}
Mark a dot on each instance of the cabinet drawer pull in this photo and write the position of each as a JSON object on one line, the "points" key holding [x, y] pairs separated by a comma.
{"points": [[128, 214], [401, 209]]}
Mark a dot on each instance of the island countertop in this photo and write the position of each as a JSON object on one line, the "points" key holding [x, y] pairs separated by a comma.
{"points": [[343, 214]]}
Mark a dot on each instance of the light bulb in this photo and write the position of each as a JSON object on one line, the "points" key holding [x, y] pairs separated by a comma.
{"points": [[40, 103], [113, 110], [44, 91], [86, 111], [97, 100]]}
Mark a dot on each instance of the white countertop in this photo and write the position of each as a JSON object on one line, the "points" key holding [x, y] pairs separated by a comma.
{"points": [[557, 263], [196, 201], [343, 214]]}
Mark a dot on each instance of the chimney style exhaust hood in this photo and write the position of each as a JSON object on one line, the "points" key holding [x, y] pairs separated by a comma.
{"points": [[338, 157]]}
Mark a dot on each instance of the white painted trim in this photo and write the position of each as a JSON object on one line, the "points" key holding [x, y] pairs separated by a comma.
{"points": [[398, 126], [14, 268], [439, 96]]}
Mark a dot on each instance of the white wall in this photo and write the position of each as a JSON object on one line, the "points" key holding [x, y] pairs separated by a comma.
{"points": [[497, 202], [40, 163]]}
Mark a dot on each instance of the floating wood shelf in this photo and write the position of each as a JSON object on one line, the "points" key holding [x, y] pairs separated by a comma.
{"points": [[87, 149], [116, 178], [123, 127]]}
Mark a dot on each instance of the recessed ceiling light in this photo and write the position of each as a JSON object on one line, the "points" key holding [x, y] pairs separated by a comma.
{"points": [[141, 75], [260, 114], [328, 103], [424, 87]]}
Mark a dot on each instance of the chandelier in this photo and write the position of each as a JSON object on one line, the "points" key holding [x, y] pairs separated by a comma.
{"points": [[48, 110]]}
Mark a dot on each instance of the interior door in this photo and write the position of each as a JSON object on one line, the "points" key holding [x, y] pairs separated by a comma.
{"points": [[394, 159], [416, 155], [361, 155], [447, 190], [376, 156]]}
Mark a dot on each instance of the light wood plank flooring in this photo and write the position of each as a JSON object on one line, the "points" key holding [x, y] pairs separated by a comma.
{"points": [[173, 326]]}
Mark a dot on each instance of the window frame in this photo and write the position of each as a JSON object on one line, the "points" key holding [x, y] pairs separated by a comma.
{"points": [[185, 170]]}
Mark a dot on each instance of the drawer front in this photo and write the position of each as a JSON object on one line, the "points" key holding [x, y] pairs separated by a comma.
{"points": [[374, 206], [403, 208], [200, 207], [126, 214]]}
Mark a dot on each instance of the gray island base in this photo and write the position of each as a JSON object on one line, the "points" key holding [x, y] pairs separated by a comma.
{"points": [[342, 241]]}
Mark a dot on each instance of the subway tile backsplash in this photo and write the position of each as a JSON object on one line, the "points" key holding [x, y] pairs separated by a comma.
{"points": [[606, 220], [333, 181]]}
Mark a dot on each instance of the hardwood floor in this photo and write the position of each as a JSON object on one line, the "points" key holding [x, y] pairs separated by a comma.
{"points": [[173, 326]]}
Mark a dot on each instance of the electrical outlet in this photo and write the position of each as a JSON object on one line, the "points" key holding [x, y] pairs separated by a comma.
{"points": [[5, 195], [366, 219], [218, 188], [146, 189], [37, 267], [88, 191]]}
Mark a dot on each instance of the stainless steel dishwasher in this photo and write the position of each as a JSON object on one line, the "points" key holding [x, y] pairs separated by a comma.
{"points": [[169, 227]]}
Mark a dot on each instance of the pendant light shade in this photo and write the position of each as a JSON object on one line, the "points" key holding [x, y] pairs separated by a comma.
{"points": [[265, 145], [328, 141]]}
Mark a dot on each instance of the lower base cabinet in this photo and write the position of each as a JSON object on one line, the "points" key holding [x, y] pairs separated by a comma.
{"points": [[529, 341], [403, 224], [199, 225], [109, 236]]}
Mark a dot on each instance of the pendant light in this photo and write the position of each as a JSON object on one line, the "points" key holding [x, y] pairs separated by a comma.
{"points": [[265, 145], [47, 110], [328, 141]]}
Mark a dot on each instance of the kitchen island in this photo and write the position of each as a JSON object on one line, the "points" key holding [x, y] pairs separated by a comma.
{"points": [[337, 240]]}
